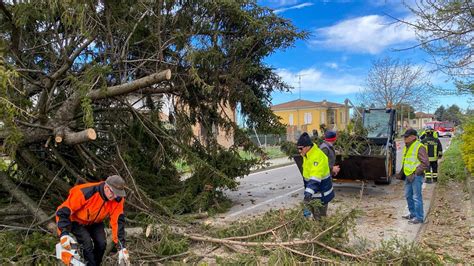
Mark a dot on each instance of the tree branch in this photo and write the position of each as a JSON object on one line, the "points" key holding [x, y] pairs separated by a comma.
{"points": [[131, 86]]}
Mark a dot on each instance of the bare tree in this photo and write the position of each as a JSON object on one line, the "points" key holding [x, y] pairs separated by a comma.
{"points": [[390, 81], [445, 30]]}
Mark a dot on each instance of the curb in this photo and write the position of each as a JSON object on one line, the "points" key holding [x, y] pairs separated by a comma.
{"points": [[271, 167]]}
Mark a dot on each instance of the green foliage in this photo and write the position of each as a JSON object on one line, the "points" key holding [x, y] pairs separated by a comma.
{"points": [[9, 109], [400, 252], [170, 244], [289, 148], [467, 145], [452, 166], [34, 249]]}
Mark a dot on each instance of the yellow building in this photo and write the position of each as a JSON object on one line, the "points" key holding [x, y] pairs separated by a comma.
{"points": [[306, 116]]}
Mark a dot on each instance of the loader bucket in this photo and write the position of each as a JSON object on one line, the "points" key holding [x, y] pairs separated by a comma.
{"points": [[360, 167]]}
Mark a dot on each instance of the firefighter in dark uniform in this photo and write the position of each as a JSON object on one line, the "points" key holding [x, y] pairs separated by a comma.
{"points": [[435, 151]]}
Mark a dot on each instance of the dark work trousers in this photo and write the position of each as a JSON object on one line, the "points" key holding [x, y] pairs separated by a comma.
{"points": [[434, 166], [92, 241], [318, 210]]}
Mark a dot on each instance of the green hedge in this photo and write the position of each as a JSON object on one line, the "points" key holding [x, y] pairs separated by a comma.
{"points": [[452, 166], [468, 143]]}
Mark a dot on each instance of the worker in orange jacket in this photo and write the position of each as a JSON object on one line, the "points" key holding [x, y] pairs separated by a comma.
{"points": [[82, 215]]}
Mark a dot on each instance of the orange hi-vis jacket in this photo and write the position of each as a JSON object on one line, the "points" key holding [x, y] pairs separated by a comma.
{"points": [[87, 204]]}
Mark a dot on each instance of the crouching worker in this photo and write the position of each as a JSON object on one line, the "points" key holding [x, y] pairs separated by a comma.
{"points": [[317, 175], [83, 213]]}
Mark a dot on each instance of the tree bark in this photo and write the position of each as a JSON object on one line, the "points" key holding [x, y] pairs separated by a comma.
{"points": [[26, 201], [131, 86], [71, 138]]}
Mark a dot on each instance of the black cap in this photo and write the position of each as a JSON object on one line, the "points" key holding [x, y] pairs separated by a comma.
{"points": [[304, 140], [410, 132]]}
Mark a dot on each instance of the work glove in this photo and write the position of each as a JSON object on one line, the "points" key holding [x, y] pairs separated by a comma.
{"points": [[66, 241], [124, 257], [410, 178]]}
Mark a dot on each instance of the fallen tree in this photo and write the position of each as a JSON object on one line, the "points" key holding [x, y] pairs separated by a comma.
{"points": [[94, 89]]}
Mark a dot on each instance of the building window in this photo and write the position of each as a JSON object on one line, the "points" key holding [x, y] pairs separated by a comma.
{"points": [[413, 122], [340, 117], [290, 120], [307, 118], [323, 117], [331, 117]]}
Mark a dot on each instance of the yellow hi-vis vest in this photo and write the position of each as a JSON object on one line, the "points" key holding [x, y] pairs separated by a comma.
{"points": [[315, 165], [410, 158]]}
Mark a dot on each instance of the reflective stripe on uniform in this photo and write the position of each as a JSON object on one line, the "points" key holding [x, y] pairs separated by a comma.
{"points": [[317, 179], [318, 195], [309, 190]]}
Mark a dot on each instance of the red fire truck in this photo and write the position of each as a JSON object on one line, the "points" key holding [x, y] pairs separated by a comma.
{"points": [[444, 128]]}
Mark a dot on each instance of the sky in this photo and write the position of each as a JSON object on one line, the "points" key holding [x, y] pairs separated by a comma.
{"points": [[345, 38]]}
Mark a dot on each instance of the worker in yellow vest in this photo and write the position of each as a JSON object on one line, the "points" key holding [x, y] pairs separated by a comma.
{"points": [[415, 162], [317, 177], [435, 151]]}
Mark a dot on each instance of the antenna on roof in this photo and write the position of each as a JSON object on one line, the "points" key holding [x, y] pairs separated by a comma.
{"points": [[299, 83]]}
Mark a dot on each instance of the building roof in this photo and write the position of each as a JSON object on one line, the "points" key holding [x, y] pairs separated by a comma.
{"points": [[423, 115], [305, 104]]}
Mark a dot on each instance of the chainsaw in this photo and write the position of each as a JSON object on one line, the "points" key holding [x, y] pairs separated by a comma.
{"points": [[69, 256]]}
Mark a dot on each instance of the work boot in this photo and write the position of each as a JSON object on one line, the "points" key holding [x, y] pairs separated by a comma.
{"points": [[307, 213], [415, 221], [408, 216]]}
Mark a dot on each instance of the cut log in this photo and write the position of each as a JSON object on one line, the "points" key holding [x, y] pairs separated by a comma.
{"points": [[72, 138], [131, 86], [21, 197]]}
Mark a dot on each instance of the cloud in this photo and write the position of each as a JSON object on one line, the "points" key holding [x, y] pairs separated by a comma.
{"points": [[279, 3], [332, 65], [299, 6], [314, 80], [369, 34]]}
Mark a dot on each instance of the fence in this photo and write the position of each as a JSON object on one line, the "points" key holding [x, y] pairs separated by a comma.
{"points": [[273, 139]]}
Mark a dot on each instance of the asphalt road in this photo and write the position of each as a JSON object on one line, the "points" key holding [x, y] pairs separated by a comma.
{"points": [[283, 188]]}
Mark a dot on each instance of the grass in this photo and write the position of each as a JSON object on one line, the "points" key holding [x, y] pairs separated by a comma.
{"points": [[272, 152], [452, 167]]}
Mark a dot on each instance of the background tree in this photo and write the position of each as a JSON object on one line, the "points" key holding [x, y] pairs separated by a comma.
{"points": [[83, 87], [440, 113], [445, 30], [390, 81], [453, 114]]}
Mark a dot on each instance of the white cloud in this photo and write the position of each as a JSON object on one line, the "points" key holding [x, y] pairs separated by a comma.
{"points": [[283, 2], [316, 81], [299, 6], [332, 65], [368, 34]]}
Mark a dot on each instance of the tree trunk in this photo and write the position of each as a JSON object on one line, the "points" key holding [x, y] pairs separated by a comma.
{"points": [[31, 159], [131, 86], [26, 201]]}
